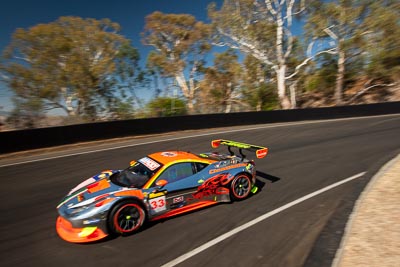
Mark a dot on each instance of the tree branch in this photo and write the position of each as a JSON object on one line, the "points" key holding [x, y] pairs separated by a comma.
{"points": [[363, 91], [270, 8], [247, 47], [4, 77], [24, 59], [297, 69]]}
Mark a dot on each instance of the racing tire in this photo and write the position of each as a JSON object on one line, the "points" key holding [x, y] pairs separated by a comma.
{"points": [[126, 218], [240, 187]]}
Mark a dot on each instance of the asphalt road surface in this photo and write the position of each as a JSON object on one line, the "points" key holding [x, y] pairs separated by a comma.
{"points": [[303, 158]]}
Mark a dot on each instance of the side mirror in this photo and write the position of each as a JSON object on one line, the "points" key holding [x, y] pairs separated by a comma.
{"points": [[161, 183]]}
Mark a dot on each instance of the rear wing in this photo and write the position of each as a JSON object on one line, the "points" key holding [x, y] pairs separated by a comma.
{"points": [[260, 151]]}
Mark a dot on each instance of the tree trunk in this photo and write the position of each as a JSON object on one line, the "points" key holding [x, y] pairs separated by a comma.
{"points": [[283, 99], [340, 78], [293, 99], [68, 103], [187, 92], [190, 104]]}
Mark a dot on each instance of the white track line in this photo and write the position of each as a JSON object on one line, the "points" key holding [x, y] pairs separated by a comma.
{"points": [[255, 221], [196, 135]]}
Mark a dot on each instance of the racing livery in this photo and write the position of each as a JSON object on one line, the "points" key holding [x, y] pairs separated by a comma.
{"points": [[157, 186]]}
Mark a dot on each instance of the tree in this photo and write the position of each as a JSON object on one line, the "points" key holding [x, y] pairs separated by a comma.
{"points": [[180, 44], [167, 107], [342, 21], [26, 114], [122, 110], [221, 82], [383, 62], [322, 76], [258, 91], [64, 64], [263, 30]]}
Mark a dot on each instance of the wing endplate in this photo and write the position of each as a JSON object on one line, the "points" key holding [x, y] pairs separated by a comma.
{"points": [[260, 151]]}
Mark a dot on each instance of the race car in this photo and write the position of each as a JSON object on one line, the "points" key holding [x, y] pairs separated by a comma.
{"points": [[158, 186]]}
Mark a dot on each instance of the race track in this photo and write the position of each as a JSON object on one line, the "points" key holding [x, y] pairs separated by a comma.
{"points": [[304, 157]]}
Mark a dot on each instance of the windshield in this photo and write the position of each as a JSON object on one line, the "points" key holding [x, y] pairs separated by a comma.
{"points": [[135, 176]]}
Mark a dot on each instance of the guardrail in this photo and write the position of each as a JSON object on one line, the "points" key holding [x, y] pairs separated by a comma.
{"points": [[20, 140]]}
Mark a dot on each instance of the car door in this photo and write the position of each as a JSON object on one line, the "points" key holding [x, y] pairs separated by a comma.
{"points": [[182, 181]]}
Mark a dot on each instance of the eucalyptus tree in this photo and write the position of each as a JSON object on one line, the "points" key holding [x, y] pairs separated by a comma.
{"points": [[181, 44], [258, 91], [341, 22], [383, 46], [264, 29], [221, 83], [64, 64]]}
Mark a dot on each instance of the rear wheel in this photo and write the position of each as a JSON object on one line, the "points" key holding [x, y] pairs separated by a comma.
{"points": [[240, 187], [126, 217]]}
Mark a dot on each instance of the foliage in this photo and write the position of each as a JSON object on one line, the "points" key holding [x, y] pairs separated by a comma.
{"points": [[167, 107], [181, 44], [262, 29], [66, 64], [383, 46], [365, 35], [341, 22], [122, 110], [86, 68], [221, 82], [258, 91], [322, 78], [26, 114]]}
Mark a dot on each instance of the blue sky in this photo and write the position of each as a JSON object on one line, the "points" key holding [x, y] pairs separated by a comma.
{"points": [[129, 14]]}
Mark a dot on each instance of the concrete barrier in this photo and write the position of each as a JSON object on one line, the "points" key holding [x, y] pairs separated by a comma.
{"points": [[20, 140]]}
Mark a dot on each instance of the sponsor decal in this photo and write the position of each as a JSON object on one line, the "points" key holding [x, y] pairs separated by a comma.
{"points": [[178, 199], [80, 197], [158, 204], [149, 163], [213, 186], [261, 153], [228, 168], [169, 154]]}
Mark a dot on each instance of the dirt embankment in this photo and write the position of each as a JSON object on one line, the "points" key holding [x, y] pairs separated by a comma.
{"points": [[372, 235]]}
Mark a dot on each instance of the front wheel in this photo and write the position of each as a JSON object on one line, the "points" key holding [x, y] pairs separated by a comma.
{"points": [[240, 187], [126, 218]]}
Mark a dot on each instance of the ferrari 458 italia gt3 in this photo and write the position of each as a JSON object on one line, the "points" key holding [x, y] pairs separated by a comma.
{"points": [[157, 186]]}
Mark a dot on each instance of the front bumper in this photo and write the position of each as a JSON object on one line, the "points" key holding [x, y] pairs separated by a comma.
{"points": [[78, 235]]}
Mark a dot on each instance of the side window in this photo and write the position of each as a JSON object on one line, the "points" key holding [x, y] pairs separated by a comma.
{"points": [[177, 172], [200, 166]]}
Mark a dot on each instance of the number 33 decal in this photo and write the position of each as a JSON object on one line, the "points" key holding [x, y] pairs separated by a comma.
{"points": [[158, 204]]}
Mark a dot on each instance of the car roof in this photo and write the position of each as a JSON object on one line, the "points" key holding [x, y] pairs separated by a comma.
{"points": [[172, 156]]}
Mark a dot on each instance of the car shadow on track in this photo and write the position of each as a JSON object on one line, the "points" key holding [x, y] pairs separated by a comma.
{"points": [[262, 178], [271, 178]]}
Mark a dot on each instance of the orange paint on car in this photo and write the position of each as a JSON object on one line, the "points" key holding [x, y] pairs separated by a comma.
{"points": [[133, 193], [67, 232], [100, 185]]}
